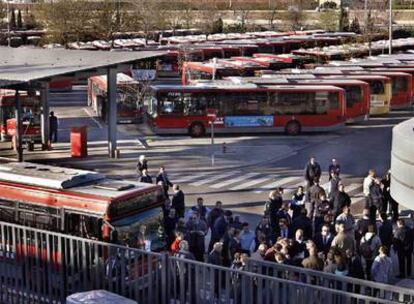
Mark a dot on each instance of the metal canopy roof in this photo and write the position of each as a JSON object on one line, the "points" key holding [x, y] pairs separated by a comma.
{"points": [[20, 65]]}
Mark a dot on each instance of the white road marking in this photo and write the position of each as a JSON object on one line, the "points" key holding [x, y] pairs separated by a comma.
{"points": [[93, 118], [277, 183], [251, 183], [234, 180], [352, 187], [214, 178], [189, 178]]}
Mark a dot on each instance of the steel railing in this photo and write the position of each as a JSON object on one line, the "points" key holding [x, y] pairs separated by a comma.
{"points": [[38, 266], [196, 282], [328, 280]]}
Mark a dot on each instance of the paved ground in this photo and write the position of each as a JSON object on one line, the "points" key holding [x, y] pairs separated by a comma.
{"points": [[241, 177]]}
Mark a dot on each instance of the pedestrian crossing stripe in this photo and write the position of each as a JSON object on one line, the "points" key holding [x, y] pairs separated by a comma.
{"points": [[234, 180], [214, 178], [278, 183], [189, 178], [250, 183]]}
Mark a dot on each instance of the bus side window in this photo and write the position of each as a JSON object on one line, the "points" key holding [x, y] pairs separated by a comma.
{"points": [[171, 103], [196, 104]]}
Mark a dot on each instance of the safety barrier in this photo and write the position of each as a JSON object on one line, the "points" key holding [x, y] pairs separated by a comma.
{"points": [[38, 266], [328, 280]]}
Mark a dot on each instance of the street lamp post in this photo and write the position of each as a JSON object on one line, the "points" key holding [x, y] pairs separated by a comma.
{"points": [[390, 28], [8, 23]]}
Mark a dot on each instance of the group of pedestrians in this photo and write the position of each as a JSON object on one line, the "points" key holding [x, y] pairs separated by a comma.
{"points": [[315, 229]]}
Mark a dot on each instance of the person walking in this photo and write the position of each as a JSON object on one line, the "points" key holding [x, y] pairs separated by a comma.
{"points": [[334, 167], [53, 127], [340, 200], [403, 245], [388, 200], [163, 180], [145, 177], [142, 164], [333, 186], [298, 202], [178, 201], [381, 270], [312, 172], [366, 185], [314, 195], [375, 199], [369, 246]]}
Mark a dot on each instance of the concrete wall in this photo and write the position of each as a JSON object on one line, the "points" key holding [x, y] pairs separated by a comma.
{"points": [[402, 163]]}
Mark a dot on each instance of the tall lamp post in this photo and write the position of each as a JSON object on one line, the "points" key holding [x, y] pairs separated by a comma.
{"points": [[390, 28], [8, 22]]}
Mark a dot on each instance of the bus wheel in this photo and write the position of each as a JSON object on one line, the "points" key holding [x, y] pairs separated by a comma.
{"points": [[293, 127], [197, 130]]}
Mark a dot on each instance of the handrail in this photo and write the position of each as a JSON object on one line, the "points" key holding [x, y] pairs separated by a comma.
{"points": [[257, 266], [252, 275]]}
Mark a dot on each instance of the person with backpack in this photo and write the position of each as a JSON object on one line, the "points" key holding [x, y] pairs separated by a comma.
{"points": [[369, 246], [403, 245]]}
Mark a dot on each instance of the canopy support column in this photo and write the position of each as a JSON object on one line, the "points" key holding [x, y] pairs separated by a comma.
{"points": [[112, 112], [44, 96], [19, 148]]}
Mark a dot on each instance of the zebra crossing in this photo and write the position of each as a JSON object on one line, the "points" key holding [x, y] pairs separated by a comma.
{"points": [[255, 182]]}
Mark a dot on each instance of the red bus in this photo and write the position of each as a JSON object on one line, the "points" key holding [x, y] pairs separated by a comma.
{"points": [[78, 202], [62, 85], [246, 108], [217, 69], [401, 83], [293, 60], [30, 115], [267, 62], [356, 92], [128, 102]]}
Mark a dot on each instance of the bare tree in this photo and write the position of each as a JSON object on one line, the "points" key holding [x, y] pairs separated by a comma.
{"points": [[147, 16], [241, 14], [209, 16], [109, 18]]}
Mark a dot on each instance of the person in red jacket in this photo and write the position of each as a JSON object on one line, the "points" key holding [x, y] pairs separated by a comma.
{"points": [[175, 246]]}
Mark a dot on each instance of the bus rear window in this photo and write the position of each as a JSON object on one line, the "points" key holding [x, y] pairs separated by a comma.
{"points": [[377, 87], [353, 95]]}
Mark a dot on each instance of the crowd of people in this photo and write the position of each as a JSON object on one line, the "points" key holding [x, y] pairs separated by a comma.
{"points": [[315, 229]]}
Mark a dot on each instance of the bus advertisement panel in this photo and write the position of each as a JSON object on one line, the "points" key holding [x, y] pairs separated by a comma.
{"points": [[246, 108]]}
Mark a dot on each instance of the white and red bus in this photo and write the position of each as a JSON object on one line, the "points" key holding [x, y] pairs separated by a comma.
{"points": [[78, 202], [30, 115], [270, 63], [129, 105], [246, 108]]}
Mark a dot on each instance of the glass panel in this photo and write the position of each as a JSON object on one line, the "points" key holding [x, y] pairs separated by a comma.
{"points": [[399, 84], [249, 103], [197, 103], [353, 95], [293, 103], [376, 87], [332, 102], [171, 103]]}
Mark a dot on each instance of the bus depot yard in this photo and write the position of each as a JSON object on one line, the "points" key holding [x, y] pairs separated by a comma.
{"points": [[205, 108]]}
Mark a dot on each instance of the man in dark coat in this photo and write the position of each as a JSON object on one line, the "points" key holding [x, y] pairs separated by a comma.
{"points": [[375, 199], [314, 194], [334, 167], [403, 245], [177, 201], [385, 231], [340, 200], [388, 200], [303, 222], [214, 214], [220, 227], [162, 179], [312, 171], [53, 127], [145, 177], [323, 240]]}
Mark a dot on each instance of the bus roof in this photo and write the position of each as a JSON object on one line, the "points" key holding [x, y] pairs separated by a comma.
{"points": [[121, 78], [237, 86], [46, 176]]}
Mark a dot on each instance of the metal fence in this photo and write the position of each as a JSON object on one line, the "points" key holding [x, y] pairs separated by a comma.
{"points": [[328, 280], [38, 266], [195, 282]]}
